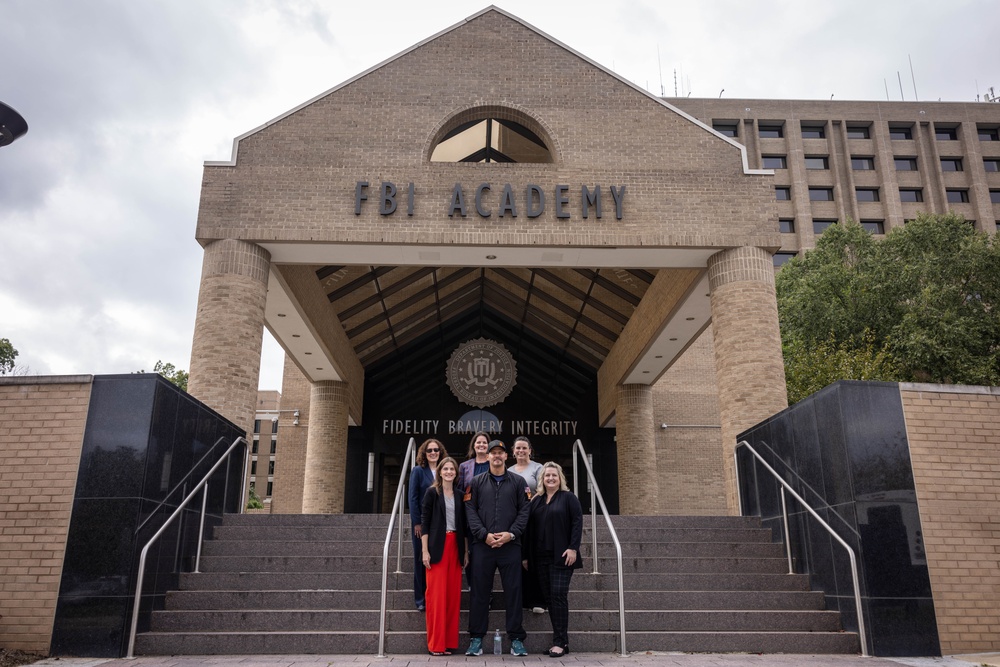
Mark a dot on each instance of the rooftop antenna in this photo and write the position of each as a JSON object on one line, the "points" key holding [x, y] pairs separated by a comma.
{"points": [[900, 79], [913, 78], [886, 82], [675, 82], [659, 64], [720, 93]]}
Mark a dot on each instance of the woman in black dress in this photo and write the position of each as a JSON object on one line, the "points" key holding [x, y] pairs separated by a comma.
{"points": [[555, 528]]}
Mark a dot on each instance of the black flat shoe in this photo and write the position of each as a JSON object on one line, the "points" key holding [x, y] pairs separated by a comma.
{"points": [[565, 651]]}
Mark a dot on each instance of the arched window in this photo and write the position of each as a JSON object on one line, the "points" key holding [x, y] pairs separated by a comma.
{"points": [[491, 140]]}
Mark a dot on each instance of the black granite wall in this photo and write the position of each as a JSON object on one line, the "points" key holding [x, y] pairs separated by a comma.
{"points": [[844, 450], [145, 445]]}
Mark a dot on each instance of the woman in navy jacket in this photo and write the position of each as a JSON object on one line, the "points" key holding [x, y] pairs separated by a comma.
{"points": [[444, 553], [421, 478], [555, 528]]}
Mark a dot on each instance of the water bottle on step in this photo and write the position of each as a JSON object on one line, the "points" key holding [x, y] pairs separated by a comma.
{"points": [[497, 643]]}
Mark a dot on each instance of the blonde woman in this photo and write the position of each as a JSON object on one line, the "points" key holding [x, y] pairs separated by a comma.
{"points": [[555, 528]]}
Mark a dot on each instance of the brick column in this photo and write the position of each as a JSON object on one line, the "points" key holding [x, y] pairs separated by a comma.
{"points": [[225, 354], [637, 476], [326, 449], [749, 366], [290, 461]]}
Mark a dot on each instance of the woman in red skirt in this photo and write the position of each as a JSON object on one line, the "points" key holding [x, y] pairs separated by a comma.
{"points": [[445, 553]]}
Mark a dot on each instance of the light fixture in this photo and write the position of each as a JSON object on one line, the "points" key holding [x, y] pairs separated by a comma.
{"points": [[371, 471], [281, 315], [491, 256], [295, 421], [12, 125]]}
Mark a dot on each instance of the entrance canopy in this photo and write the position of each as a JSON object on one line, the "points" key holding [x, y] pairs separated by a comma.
{"points": [[580, 231]]}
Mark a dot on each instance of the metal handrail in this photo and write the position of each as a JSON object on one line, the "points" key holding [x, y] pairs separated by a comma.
{"points": [[201, 529], [396, 505], [578, 446], [179, 485], [784, 510]]}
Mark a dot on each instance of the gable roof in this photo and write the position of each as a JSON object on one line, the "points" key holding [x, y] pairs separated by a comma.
{"points": [[511, 17]]}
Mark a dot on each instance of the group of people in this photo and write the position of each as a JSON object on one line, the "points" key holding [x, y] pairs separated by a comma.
{"points": [[484, 516]]}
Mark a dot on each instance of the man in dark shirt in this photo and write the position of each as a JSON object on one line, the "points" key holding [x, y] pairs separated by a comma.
{"points": [[497, 513]]}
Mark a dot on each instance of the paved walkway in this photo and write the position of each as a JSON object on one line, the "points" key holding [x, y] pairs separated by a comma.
{"points": [[572, 660]]}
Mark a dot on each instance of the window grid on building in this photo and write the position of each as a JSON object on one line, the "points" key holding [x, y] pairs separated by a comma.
{"points": [[859, 163]]}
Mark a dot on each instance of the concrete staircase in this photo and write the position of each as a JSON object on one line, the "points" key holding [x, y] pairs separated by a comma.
{"points": [[286, 584]]}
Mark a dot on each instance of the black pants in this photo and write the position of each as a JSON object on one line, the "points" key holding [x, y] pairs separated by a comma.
{"points": [[553, 579], [419, 574], [485, 561]]}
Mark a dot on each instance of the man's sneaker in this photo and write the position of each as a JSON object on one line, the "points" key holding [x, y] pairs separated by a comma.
{"points": [[476, 646], [516, 647]]}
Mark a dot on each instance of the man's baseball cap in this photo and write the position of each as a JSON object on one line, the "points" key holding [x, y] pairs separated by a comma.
{"points": [[496, 443]]}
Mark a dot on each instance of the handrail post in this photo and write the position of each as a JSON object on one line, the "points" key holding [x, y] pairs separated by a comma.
{"points": [[862, 635], [385, 550], [788, 535], [593, 527], [201, 528], [595, 490]]}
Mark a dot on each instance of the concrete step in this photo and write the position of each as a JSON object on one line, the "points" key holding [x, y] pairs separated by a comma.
{"points": [[608, 581], [312, 584], [320, 533], [403, 599], [580, 621], [382, 520], [366, 643], [244, 547], [363, 564]]}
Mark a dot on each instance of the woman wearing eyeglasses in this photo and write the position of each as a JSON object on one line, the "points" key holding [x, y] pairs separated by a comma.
{"points": [[421, 479]]}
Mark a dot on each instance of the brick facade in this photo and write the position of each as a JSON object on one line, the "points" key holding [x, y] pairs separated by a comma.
{"points": [[41, 435], [686, 400], [326, 449], [228, 335], [290, 467], [954, 433], [750, 369], [638, 483]]}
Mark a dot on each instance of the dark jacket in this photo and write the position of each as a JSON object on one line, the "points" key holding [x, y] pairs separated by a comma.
{"points": [[435, 524], [561, 521], [497, 507], [421, 479]]}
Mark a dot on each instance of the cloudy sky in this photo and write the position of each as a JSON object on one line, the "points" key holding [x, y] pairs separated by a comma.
{"points": [[125, 100]]}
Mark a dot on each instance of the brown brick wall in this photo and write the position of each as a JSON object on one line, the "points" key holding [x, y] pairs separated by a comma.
{"points": [[42, 421], [290, 461], [229, 330], [295, 179], [638, 483], [954, 437], [326, 449], [751, 373], [688, 456]]}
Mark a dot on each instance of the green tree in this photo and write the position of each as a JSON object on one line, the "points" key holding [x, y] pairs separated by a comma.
{"points": [[171, 373], [920, 305], [7, 356]]}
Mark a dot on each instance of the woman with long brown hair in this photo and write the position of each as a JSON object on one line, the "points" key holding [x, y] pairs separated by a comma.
{"points": [[421, 478], [444, 552]]}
